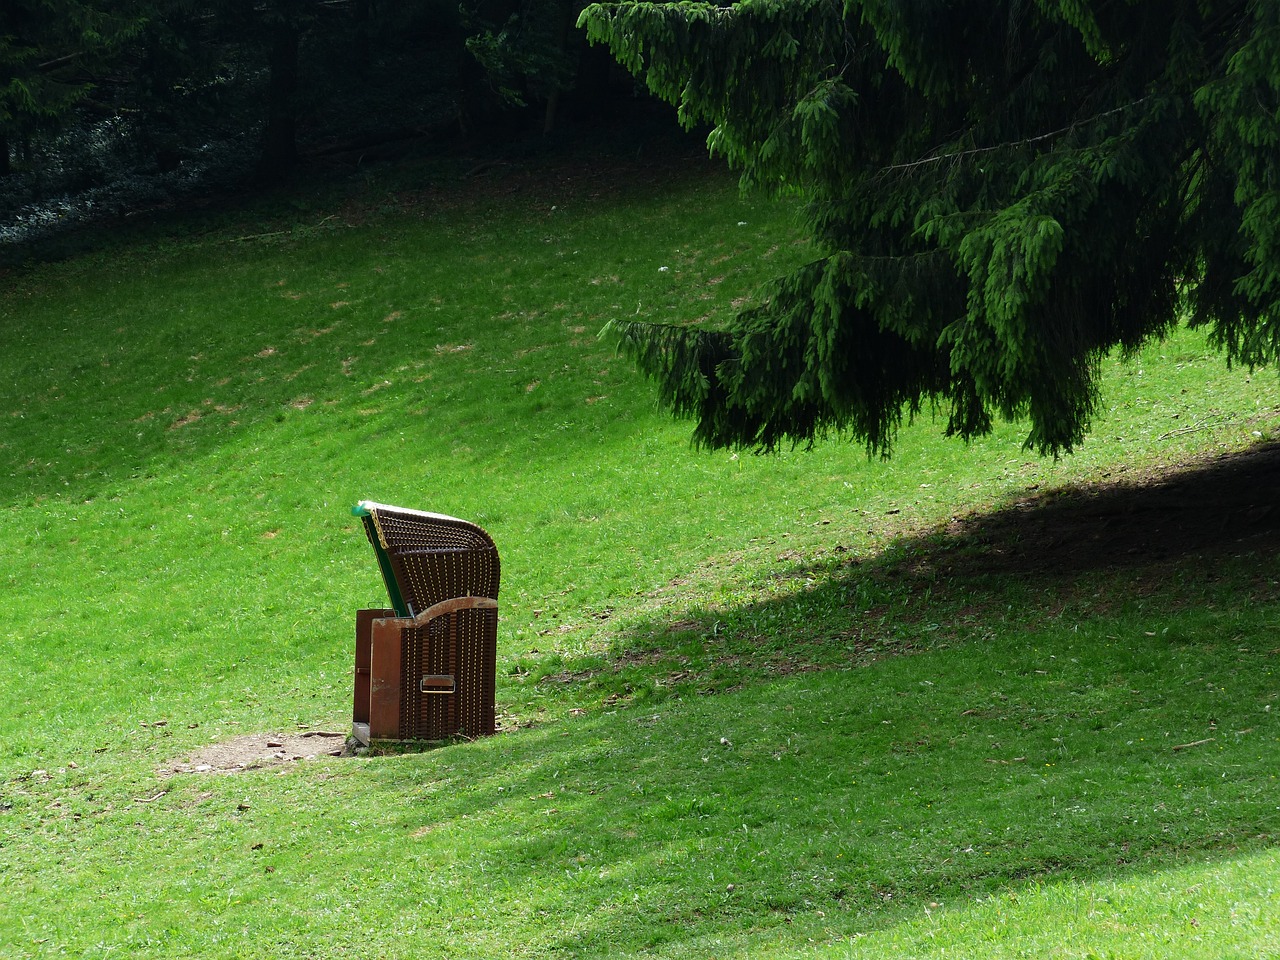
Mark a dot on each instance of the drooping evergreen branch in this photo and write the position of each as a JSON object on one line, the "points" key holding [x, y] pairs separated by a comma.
{"points": [[1011, 145], [1113, 170]]}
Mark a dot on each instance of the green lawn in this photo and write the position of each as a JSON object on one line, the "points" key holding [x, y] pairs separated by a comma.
{"points": [[752, 706]]}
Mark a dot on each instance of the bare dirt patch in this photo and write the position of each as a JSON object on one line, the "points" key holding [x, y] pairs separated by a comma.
{"points": [[255, 751]]}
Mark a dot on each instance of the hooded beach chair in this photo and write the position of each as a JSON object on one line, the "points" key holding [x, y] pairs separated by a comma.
{"points": [[425, 667]]}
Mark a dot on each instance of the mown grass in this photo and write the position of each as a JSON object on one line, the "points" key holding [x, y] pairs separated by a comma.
{"points": [[786, 706]]}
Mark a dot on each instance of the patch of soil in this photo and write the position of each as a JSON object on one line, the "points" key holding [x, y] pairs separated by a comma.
{"points": [[255, 751]]}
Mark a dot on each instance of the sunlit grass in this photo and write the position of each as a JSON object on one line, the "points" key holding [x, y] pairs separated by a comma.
{"points": [[712, 748]]}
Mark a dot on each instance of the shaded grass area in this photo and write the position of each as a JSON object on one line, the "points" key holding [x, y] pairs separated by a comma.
{"points": [[962, 702], [842, 802], [1198, 537]]}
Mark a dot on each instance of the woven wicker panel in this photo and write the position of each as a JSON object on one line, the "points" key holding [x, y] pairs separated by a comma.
{"points": [[461, 645], [477, 662], [427, 577], [435, 557], [412, 529]]}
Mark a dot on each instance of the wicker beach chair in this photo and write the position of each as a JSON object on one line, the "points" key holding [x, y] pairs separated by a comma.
{"points": [[425, 667]]}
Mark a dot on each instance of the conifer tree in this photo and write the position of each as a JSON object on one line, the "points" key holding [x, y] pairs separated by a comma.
{"points": [[49, 50], [1000, 191]]}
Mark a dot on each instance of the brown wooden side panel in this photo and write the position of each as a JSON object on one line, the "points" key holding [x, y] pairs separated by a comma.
{"points": [[384, 679], [364, 643]]}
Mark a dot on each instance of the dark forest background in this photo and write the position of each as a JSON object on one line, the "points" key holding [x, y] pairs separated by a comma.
{"points": [[109, 108]]}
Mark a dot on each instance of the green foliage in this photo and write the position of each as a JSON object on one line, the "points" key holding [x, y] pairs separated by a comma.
{"points": [[163, 84], [49, 50], [524, 57], [1000, 193]]}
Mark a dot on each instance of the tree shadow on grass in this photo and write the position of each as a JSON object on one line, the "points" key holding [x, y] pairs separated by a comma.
{"points": [[1205, 534], [1227, 505], [1121, 727], [842, 801]]}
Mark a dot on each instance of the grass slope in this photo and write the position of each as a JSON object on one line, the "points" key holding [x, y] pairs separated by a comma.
{"points": [[805, 705]]}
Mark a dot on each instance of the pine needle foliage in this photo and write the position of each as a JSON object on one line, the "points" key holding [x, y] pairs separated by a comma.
{"points": [[1000, 194]]}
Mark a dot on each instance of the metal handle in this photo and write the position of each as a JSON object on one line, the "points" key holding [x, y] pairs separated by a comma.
{"points": [[438, 683]]}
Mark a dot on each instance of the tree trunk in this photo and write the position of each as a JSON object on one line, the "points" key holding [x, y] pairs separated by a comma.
{"points": [[5, 167], [549, 115], [362, 36], [279, 154]]}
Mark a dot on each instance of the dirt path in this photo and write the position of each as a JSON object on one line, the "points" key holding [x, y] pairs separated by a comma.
{"points": [[257, 750]]}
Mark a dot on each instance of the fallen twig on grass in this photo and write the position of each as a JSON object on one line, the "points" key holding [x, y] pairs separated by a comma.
{"points": [[1198, 425]]}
